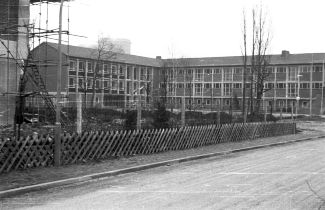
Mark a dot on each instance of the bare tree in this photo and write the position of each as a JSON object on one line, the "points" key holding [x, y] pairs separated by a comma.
{"points": [[105, 50], [244, 53], [259, 60]]}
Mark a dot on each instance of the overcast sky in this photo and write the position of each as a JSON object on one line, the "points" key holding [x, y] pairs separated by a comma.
{"points": [[191, 28]]}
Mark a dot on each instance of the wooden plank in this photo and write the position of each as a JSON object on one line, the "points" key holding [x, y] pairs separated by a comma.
{"points": [[119, 142], [87, 145], [114, 144], [170, 134], [13, 156], [108, 143], [124, 142], [95, 146], [132, 144], [182, 139], [138, 143], [142, 143], [100, 147], [152, 141]]}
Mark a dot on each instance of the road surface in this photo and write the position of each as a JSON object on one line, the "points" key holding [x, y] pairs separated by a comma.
{"points": [[284, 177]]}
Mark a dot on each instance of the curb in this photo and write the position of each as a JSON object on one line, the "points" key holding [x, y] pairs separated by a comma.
{"points": [[47, 185]]}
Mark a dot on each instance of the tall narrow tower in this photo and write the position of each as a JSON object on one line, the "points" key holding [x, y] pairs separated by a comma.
{"points": [[14, 16]]}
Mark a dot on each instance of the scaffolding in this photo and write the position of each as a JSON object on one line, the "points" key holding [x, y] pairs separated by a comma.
{"points": [[18, 67]]}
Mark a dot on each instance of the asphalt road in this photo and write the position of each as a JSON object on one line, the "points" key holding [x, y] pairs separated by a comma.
{"points": [[285, 177]]}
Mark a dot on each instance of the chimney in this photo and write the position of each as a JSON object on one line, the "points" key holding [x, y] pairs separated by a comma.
{"points": [[158, 57], [285, 54]]}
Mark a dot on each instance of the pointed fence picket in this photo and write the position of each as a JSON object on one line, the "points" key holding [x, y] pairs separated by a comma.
{"points": [[38, 151]]}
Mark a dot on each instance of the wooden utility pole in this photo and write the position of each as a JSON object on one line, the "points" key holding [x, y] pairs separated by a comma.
{"points": [[57, 143], [139, 113], [183, 112]]}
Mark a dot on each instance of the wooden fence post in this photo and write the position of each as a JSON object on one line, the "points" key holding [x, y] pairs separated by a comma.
{"points": [[79, 113], [57, 146], [183, 112], [139, 113]]}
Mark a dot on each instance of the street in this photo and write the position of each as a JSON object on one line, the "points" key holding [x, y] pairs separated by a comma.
{"points": [[285, 177]]}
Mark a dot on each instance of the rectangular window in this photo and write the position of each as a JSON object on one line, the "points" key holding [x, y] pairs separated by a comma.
{"points": [[227, 74], [89, 83], [270, 70], [269, 86], [114, 70], [142, 73], [217, 85], [189, 71], [180, 72], [81, 83], [105, 84], [207, 71], [238, 71], [114, 85], [304, 85], [72, 65], [89, 67], [198, 89], [281, 69], [198, 74], [227, 89], [149, 74], [292, 89], [317, 85], [121, 70], [281, 85], [317, 68], [128, 72], [98, 84], [208, 85], [217, 71], [121, 85], [180, 85], [237, 85], [305, 69], [135, 76], [72, 82], [81, 66], [106, 69], [188, 85], [293, 72]]}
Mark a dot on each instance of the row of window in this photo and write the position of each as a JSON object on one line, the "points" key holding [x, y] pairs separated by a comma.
{"points": [[105, 84], [137, 72], [238, 70], [315, 85]]}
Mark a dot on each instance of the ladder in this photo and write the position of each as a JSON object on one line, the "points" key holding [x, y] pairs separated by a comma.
{"points": [[39, 84]]}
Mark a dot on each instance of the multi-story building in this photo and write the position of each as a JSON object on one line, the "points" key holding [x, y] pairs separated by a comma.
{"points": [[119, 80], [210, 83], [294, 81]]}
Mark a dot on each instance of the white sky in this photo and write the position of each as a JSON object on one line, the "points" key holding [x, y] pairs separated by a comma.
{"points": [[191, 28]]}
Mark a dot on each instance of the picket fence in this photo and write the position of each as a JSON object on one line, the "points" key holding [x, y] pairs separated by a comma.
{"points": [[36, 151]]}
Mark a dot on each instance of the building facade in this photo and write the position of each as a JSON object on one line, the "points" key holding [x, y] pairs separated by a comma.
{"points": [[295, 81], [117, 82]]}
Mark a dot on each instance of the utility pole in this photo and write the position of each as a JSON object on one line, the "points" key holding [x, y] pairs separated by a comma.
{"points": [[183, 112], [57, 143]]}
